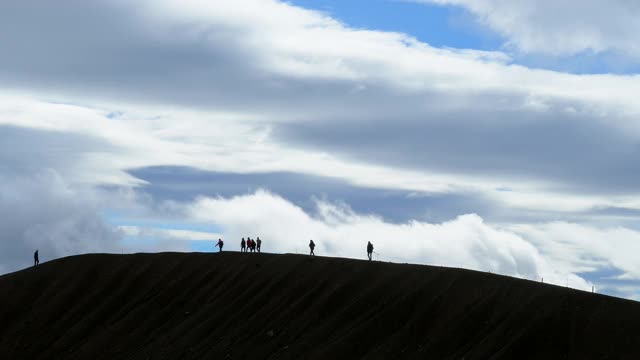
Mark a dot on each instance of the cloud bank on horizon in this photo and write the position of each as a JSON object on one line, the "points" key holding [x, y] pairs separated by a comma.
{"points": [[162, 125]]}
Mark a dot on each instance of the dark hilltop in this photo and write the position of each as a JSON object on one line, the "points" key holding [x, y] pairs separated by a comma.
{"points": [[265, 306]]}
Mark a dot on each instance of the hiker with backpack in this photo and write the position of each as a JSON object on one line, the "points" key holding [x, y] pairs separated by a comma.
{"points": [[220, 244], [369, 249]]}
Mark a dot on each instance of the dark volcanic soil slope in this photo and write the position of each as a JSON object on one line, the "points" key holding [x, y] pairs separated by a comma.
{"points": [[259, 306]]}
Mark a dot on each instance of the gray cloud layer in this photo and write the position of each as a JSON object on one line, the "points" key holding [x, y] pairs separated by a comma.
{"points": [[42, 212], [103, 49], [40, 207], [573, 152]]}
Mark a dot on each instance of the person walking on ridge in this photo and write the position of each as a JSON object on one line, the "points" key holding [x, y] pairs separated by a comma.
{"points": [[220, 244], [36, 260], [369, 249], [243, 246], [312, 246], [258, 243]]}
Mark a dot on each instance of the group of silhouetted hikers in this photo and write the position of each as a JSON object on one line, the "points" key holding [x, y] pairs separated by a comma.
{"points": [[250, 245]]}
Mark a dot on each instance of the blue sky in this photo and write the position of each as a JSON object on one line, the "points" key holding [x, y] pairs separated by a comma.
{"points": [[441, 26], [487, 143], [455, 27]]}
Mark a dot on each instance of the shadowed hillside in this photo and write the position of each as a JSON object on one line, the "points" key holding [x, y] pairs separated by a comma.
{"points": [[263, 306]]}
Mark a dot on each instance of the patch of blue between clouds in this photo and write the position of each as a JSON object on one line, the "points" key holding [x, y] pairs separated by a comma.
{"points": [[439, 26], [150, 244], [204, 246], [454, 27], [141, 242], [116, 218]]}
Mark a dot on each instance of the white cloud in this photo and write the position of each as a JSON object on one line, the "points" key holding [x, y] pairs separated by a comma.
{"points": [[560, 27], [583, 248]]}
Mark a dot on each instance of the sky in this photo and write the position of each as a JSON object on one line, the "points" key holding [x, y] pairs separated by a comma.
{"points": [[494, 135]]}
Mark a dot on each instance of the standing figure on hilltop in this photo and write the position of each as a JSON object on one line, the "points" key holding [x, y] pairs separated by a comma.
{"points": [[220, 244], [253, 245], [369, 249], [258, 243], [312, 246], [36, 260], [243, 246]]}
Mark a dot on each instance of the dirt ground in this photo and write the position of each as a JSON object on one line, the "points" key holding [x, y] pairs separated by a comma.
{"points": [[265, 306]]}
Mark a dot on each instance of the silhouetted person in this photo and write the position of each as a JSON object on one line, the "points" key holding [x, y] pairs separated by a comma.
{"points": [[220, 244], [312, 246], [36, 260], [243, 246], [253, 245], [369, 249], [258, 243]]}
